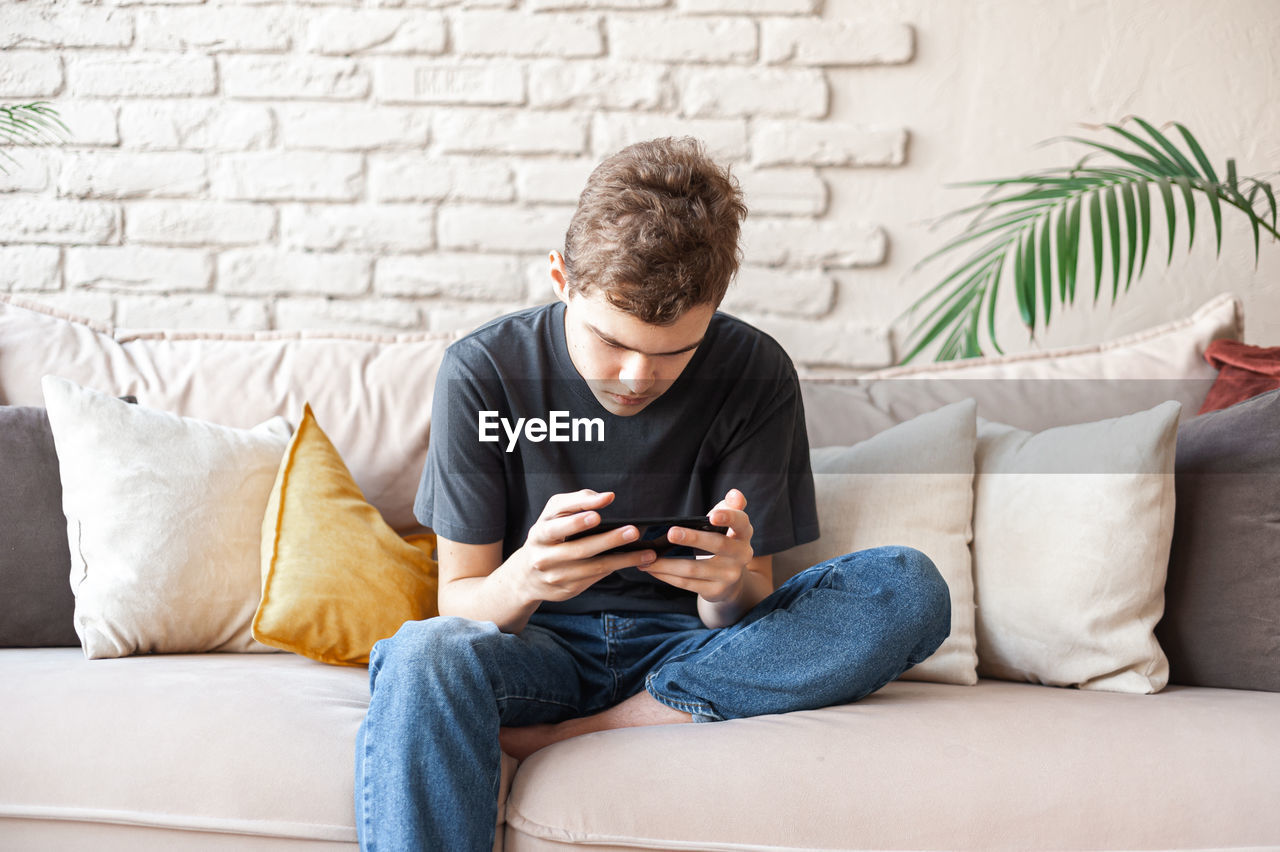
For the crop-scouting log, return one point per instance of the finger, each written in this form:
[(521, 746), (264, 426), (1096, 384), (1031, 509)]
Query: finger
[(679, 579), (736, 499), (593, 545), (576, 501), (554, 530), (581, 569), (735, 519), (714, 543), (687, 568)]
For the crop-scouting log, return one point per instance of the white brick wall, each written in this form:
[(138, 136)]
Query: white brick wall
[(272, 164)]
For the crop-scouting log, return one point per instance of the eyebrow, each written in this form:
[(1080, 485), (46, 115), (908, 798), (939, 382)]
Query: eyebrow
[(607, 339)]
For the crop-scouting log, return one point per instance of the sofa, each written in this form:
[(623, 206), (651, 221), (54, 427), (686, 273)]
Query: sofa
[(1070, 708)]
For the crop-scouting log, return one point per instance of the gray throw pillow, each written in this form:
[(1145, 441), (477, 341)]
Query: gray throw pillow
[(1221, 625), (36, 604)]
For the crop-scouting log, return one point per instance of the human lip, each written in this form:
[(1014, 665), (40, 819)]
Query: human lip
[(627, 400)]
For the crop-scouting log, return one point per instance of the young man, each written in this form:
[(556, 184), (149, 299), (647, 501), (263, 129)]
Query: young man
[(629, 396)]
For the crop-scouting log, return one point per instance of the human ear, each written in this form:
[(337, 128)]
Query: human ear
[(559, 277)]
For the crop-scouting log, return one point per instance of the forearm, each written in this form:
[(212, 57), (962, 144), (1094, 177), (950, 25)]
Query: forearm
[(494, 597), (754, 588)]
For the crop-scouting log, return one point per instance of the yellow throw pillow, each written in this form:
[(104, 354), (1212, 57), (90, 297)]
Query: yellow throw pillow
[(335, 577)]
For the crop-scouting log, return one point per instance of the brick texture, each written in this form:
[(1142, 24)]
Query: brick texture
[(665, 39), (401, 164), (200, 125), (816, 42), (134, 268), (342, 32), (30, 268), (27, 74)]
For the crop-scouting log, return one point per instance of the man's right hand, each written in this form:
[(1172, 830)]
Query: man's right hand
[(552, 569)]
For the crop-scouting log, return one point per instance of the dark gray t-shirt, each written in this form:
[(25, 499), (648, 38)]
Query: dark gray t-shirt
[(733, 419)]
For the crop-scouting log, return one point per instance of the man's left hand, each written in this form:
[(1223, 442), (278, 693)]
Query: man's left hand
[(720, 577)]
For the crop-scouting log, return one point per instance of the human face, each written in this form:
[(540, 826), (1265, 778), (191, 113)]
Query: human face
[(628, 363)]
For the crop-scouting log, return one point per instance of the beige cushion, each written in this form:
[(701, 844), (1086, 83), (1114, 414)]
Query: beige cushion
[(259, 744), (910, 485), (164, 518), (922, 766), (1034, 390), (372, 391), (197, 749), (1071, 534)]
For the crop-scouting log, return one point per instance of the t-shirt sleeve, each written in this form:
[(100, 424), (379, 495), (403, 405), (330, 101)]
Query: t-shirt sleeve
[(768, 461), (462, 493)]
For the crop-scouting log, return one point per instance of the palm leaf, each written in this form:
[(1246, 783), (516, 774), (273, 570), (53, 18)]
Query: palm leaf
[(1073, 249), (1131, 229), (1170, 213), (1197, 152), (29, 124), (1031, 226), (1184, 165), (991, 304), (1064, 219), (1024, 276), (1144, 221), (1167, 165), (1184, 183), (1113, 230), (1046, 267), (1095, 230)]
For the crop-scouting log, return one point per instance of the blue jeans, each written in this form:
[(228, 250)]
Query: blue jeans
[(427, 756)]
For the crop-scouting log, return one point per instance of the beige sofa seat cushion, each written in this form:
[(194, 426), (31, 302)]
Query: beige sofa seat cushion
[(259, 744), (923, 766), (203, 751)]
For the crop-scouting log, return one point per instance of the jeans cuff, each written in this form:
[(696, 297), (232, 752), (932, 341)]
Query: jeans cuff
[(699, 710)]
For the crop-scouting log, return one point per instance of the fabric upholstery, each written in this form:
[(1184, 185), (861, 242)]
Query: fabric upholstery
[(922, 766), (1221, 624), (259, 748), (910, 485), (335, 577), (1034, 390), (164, 519), (372, 391), (1244, 371), (1071, 534), (35, 562)]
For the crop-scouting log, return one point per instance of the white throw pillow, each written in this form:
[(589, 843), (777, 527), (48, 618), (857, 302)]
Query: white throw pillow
[(1071, 534), (1034, 390), (910, 485), (373, 392), (164, 519)]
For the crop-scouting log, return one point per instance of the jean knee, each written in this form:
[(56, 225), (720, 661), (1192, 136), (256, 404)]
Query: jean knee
[(916, 586), (425, 646), (922, 590)]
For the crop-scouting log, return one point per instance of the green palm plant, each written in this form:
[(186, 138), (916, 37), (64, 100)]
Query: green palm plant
[(29, 124), (1035, 227)]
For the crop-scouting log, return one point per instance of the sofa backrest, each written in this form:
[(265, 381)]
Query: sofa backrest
[(371, 393), (1034, 390)]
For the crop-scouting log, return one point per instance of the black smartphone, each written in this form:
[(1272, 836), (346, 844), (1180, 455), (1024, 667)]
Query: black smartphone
[(653, 535)]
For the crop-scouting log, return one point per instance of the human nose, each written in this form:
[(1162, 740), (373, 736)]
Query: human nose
[(637, 373)]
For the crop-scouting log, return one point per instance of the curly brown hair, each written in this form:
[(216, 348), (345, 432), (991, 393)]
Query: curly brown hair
[(656, 230)]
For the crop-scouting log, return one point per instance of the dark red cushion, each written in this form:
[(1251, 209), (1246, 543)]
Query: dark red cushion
[(1244, 371)]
